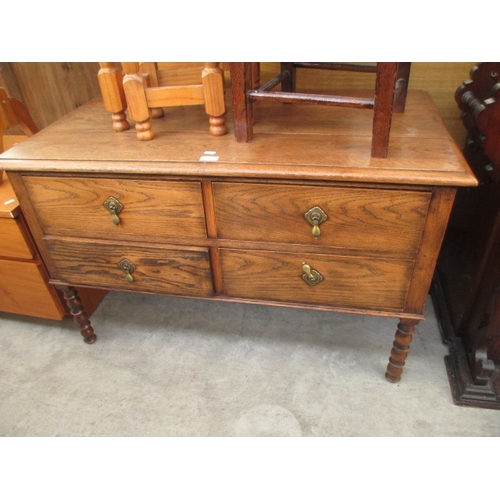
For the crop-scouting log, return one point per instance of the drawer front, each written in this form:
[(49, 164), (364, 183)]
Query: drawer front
[(163, 271), (357, 218), (24, 290), (12, 241), (348, 282), (151, 210)]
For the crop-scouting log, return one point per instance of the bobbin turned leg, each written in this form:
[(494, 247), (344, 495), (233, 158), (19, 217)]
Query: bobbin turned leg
[(111, 84), (134, 85), (212, 78), (400, 348), (78, 312)]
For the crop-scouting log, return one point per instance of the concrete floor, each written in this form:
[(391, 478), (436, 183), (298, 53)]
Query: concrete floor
[(166, 366)]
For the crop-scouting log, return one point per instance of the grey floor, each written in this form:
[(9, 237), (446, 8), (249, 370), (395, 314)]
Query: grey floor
[(166, 366)]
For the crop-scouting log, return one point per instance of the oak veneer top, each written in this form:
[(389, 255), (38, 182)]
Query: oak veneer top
[(290, 141)]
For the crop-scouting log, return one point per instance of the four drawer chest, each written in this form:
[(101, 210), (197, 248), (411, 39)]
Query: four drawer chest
[(302, 216)]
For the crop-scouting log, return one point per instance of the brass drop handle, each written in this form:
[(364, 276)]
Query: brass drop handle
[(114, 207), (311, 276), (315, 216), (316, 231), (128, 268)]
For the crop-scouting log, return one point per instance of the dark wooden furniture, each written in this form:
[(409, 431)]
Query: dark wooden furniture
[(391, 86), (467, 284), (299, 219)]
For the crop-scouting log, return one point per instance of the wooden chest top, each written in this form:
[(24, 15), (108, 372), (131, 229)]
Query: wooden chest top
[(302, 142)]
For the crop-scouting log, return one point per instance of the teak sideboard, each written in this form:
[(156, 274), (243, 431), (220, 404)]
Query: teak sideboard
[(301, 216)]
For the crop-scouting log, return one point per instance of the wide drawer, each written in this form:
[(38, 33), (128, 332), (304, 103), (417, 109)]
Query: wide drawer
[(357, 218), (183, 271), (12, 241), (152, 210), (347, 282)]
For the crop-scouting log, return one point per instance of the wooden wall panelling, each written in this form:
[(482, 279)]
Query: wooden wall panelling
[(50, 90)]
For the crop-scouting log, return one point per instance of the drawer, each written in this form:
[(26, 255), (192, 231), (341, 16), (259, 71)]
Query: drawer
[(348, 282), (157, 270), (357, 218), (152, 210), (13, 244), (24, 290)]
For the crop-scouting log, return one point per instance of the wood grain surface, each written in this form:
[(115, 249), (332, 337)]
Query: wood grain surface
[(358, 218), (13, 242), (175, 271), (349, 282), (154, 211), (24, 290)]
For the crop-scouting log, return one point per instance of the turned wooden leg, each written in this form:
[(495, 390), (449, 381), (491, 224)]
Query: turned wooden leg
[(111, 84), (79, 315), (212, 78), (144, 131), (120, 123), (134, 85), (157, 113), (400, 348)]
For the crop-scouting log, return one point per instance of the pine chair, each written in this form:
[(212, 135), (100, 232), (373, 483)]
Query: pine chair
[(13, 113), (389, 96), (141, 89)]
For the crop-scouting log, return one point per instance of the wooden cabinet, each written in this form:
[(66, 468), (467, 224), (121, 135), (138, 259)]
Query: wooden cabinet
[(299, 217), (23, 287), (467, 284)]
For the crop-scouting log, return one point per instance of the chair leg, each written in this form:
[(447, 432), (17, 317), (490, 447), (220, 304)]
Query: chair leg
[(212, 78), (13, 113), (24, 119), (382, 109), (288, 85), (241, 83), (111, 84), (402, 82), (255, 75), (151, 70), (134, 85)]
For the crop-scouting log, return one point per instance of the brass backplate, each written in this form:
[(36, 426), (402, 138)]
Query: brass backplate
[(113, 205), (315, 216)]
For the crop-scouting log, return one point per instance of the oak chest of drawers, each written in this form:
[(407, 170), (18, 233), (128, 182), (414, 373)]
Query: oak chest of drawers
[(302, 216)]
